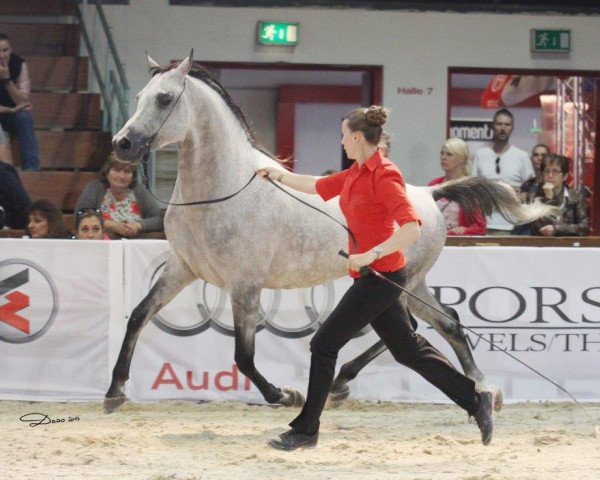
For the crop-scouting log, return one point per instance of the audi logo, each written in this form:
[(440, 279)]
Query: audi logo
[(211, 310)]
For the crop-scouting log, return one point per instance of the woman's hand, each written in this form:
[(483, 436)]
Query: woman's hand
[(124, 229), (358, 260), (132, 229), (548, 189), (547, 230), (271, 173), (457, 230)]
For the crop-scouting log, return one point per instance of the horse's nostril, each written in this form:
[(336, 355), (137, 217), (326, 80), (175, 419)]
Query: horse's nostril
[(124, 144)]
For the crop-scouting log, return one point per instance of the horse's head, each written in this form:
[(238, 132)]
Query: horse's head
[(162, 113)]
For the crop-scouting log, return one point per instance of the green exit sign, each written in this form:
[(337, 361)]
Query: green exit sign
[(550, 40), (281, 34)]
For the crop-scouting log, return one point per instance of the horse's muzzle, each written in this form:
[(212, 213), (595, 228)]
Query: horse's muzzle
[(130, 146)]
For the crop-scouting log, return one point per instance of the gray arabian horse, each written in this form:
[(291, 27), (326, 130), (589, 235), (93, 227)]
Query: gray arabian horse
[(262, 237)]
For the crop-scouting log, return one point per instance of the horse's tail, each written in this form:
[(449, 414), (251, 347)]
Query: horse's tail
[(473, 193)]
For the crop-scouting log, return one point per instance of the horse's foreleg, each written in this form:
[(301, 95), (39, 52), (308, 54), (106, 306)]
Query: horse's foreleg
[(173, 279), (452, 333), (245, 304)]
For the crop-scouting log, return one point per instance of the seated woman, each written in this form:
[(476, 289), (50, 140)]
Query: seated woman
[(573, 219), (45, 221), (89, 225), (127, 207), (454, 160)]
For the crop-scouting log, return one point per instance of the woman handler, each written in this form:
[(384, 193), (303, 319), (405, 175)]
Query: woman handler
[(373, 199)]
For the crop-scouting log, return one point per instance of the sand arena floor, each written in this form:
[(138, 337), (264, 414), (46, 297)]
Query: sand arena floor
[(360, 440)]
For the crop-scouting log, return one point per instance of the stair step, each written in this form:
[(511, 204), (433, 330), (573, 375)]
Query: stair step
[(61, 188), (37, 7), (85, 150), (80, 111), (52, 39), (58, 73)]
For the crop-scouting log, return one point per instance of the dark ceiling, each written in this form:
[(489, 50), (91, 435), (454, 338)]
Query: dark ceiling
[(564, 7)]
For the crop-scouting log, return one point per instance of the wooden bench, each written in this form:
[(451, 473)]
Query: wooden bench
[(37, 7), (521, 241), (58, 39), (61, 188), (143, 236), (79, 111), (66, 74), (69, 149)]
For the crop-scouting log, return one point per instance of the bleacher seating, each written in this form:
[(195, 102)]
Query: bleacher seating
[(67, 118)]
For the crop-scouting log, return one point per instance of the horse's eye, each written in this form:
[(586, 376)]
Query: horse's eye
[(165, 98)]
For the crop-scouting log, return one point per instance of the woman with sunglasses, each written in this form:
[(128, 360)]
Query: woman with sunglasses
[(127, 206), (573, 219), (454, 160), (89, 225)]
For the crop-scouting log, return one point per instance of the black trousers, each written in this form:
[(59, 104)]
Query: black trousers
[(371, 300)]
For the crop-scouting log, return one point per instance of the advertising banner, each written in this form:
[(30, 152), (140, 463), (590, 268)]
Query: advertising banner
[(64, 307), (540, 305), (55, 304)]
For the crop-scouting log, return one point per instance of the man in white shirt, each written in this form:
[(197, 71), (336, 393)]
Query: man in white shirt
[(505, 162)]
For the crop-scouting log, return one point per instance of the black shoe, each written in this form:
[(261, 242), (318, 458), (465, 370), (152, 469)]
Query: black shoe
[(292, 440), (483, 417)]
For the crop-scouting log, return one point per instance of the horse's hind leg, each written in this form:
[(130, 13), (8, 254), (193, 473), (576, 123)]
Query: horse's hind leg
[(339, 389), (452, 333), (245, 302), (173, 279)]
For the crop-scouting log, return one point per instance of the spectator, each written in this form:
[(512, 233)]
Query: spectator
[(89, 225), (530, 186), (45, 221), (573, 218), (127, 207), (505, 162), (15, 109), (13, 197), (3, 147), (454, 160)]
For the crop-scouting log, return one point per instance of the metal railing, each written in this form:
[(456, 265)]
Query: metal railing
[(114, 87)]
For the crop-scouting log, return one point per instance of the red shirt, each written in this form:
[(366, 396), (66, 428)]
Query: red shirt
[(372, 198)]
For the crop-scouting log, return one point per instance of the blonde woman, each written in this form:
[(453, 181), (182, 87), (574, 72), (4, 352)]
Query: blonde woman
[(454, 160)]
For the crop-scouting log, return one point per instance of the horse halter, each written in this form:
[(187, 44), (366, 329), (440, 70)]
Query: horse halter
[(148, 143)]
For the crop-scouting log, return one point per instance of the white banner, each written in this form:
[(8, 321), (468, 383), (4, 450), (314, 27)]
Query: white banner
[(55, 299), (537, 304), (541, 305), (64, 307)]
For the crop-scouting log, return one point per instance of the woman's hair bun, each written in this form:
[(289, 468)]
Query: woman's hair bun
[(376, 115)]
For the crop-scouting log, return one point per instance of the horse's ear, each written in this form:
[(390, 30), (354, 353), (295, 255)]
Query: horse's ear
[(184, 67), (151, 63)]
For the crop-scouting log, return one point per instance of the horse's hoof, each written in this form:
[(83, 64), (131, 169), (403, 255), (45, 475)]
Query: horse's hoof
[(338, 396), (112, 404), (291, 397), (499, 398)]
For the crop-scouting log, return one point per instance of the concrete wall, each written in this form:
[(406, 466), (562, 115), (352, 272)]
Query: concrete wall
[(415, 50)]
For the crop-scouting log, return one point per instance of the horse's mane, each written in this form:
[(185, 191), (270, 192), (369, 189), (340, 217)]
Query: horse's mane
[(199, 72)]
